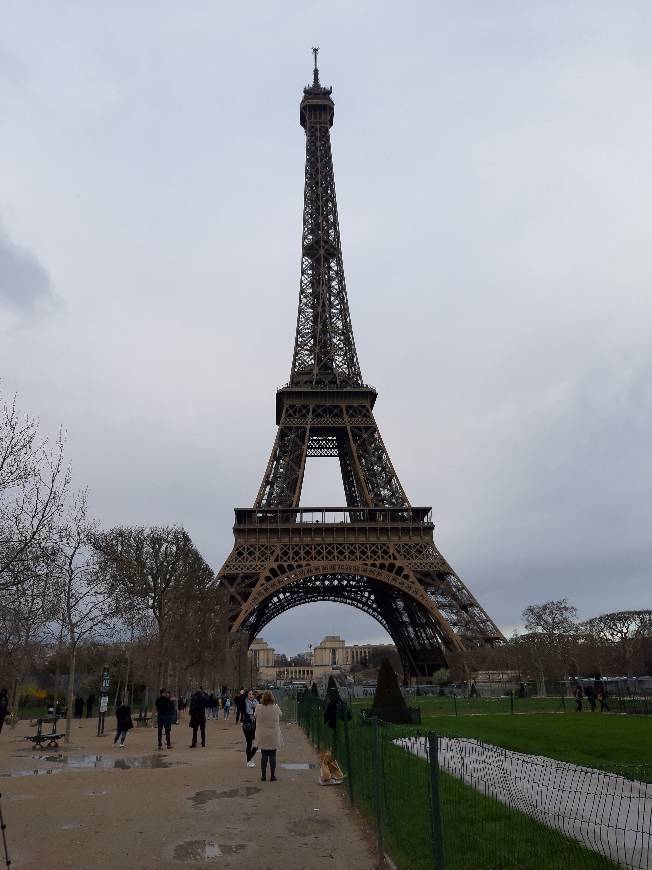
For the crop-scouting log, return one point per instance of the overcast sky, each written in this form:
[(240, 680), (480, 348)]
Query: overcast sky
[(494, 184)]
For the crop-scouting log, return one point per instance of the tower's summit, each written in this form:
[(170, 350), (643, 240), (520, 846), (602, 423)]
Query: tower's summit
[(316, 106), (324, 348)]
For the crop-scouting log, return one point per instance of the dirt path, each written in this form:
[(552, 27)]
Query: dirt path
[(101, 807)]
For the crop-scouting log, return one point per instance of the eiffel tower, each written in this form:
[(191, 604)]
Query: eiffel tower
[(377, 553)]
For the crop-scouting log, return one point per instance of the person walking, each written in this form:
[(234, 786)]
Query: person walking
[(249, 726), (123, 722), (602, 698), (268, 734), (239, 705), (227, 707), (590, 697), (579, 694), (90, 703), (197, 709), (79, 707), (4, 707), (164, 715)]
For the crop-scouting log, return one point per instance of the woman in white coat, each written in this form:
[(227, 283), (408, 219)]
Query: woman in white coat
[(268, 734)]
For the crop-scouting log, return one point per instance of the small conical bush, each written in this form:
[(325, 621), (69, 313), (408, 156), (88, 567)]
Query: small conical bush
[(389, 704)]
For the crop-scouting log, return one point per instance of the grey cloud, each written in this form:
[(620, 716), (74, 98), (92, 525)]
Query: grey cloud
[(494, 191), (25, 285)]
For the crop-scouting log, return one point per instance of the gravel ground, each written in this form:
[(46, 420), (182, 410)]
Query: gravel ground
[(92, 805)]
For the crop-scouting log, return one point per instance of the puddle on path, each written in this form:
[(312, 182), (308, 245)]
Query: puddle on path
[(37, 772), (70, 826), (204, 850), (199, 798), (309, 826), (97, 762), (304, 765)]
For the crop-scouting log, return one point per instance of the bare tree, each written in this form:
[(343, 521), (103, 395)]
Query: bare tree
[(25, 611), (552, 628), (552, 618), (33, 486), (625, 630), (87, 599), (148, 564)]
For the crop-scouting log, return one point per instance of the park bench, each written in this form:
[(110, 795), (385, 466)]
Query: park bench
[(142, 720), (51, 738)]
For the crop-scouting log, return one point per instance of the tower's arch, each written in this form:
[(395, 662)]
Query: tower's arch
[(409, 622)]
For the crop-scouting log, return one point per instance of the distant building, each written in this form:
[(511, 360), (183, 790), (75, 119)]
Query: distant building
[(332, 654)]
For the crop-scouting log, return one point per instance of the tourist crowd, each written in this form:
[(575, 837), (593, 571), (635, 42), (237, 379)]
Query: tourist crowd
[(258, 714)]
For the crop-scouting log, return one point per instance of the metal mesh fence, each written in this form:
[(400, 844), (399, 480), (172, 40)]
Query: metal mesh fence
[(451, 802), (453, 704)]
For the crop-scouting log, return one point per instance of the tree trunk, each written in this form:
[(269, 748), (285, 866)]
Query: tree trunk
[(71, 691), (14, 695), (117, 691), (541, 684), (126, 699)]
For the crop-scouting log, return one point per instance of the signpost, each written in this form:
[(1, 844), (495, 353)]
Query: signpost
[(104, 701)]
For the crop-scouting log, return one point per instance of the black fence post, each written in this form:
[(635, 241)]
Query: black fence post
[(435, 802), (347, 753), (378, 802)]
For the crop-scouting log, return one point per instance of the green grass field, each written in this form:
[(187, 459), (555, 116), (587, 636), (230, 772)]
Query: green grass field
[(478, 831), (613, 742), (620, 744)]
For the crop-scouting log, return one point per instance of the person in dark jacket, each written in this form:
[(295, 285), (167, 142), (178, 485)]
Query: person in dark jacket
[(249, 726), (4, 707), (239, 702), (123, 722), (333, 709), (90, 703), (79, 707), (590, 697), (165, 713), (197, 710), (579, 696)]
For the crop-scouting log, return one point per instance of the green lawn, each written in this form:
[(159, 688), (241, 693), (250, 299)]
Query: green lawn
[(481, 832), (617, 743), (478, 831)]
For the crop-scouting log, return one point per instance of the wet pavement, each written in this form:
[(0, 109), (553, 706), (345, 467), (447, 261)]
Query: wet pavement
[(205, 850), (203, 797), (93, 762), (176, 809)]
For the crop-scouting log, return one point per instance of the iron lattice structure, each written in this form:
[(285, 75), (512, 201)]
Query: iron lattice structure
[(377, 553)]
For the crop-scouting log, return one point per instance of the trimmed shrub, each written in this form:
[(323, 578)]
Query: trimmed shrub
[(389, 704)]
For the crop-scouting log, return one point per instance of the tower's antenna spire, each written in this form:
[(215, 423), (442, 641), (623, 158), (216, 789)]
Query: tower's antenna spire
[(315, 72)]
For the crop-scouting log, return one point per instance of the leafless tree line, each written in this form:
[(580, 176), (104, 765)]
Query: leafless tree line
[(66, 584), (557, 646)]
